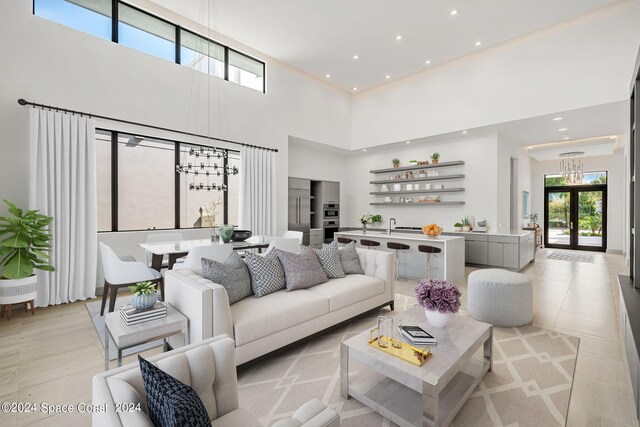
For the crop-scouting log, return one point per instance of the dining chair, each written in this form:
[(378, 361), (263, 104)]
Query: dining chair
[(289, 234), (158, 238), (287, 245), (120, 274), (215, 252)]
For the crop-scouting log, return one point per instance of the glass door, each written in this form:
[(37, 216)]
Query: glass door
[(590, 219), (558, 219)]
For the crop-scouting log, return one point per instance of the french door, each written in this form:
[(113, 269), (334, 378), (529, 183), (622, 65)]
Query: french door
[(576, 217)]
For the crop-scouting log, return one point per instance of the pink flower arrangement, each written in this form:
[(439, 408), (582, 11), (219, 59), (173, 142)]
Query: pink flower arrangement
[(438, 295)]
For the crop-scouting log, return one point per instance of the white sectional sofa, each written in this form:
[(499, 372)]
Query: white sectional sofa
[(261, 325)]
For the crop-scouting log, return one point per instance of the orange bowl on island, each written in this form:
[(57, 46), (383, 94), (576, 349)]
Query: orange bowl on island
[(431, 230)]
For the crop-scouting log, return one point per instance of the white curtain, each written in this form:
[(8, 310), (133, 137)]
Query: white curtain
[(258, 191), (63, 185)]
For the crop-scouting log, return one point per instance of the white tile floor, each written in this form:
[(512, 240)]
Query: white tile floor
[(52, 356)]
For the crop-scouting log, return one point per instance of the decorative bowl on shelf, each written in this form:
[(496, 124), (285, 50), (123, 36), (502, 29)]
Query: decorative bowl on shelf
[(432, 230), (438, 186), (433, 198), (384, 187), (388, 199)]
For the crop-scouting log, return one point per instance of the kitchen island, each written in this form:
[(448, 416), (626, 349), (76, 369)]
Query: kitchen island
[(447, 265)]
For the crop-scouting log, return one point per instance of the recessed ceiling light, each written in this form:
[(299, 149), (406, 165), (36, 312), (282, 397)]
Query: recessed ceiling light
[(364, 149), (387, 76), (355, 56), (562, 129), (464, 132), (398, 37), (408, 142), (453, 12), (327, 75), (355, 88), (427, 62), (555, 119), (478, 43)]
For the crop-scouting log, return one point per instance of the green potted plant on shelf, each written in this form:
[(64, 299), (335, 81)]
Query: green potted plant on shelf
[(466, 226), (435, 157), (395, 163), (143, 295), (24, 243), (457, 226), (413, 162)]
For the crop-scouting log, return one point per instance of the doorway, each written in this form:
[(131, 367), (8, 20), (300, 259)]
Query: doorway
[(576, 217)]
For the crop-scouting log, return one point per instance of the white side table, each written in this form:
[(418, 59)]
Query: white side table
[(130, 336)]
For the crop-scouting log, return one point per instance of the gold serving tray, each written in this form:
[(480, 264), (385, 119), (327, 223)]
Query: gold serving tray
[(404, 351)]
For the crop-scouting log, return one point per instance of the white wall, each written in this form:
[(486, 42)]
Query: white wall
[(616, 192), (584, 62), (508, 150), (479, 153)]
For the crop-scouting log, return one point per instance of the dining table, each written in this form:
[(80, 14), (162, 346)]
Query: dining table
[(178, 248)]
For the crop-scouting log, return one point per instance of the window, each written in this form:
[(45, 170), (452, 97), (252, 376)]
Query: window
[(589, 178), (146, 33), (90, 16), (201, 54), (246, 71), (146, 190), (103, 172)]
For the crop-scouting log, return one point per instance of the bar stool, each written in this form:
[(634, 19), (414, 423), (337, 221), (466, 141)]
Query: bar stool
[(369, 243), (344, 240), (398, 247), (429, 250)]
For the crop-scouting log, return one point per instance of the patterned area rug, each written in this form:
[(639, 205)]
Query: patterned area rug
[(530, 384), (98, 321), (571, 256)]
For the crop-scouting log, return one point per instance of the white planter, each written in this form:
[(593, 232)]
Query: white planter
[(13, 291), (458, 228), (437, 319), (466, 228), (143, 302)]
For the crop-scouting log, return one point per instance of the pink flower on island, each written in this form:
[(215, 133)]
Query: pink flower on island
[(438, 295)]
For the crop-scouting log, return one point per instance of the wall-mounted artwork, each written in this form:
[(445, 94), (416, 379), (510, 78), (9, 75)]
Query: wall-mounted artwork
[(525, 205)]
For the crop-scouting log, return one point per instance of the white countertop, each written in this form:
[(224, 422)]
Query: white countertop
[(397, 235), (515, 234), (446, 230)]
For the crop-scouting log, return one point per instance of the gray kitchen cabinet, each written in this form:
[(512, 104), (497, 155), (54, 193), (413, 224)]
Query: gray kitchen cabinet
[(510, 255), (300, 183), (494, 255), (316, 238), (330, 192), (477, 252)]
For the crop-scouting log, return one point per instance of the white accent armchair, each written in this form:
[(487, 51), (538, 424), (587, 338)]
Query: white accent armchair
[(193, 259), (209, 368), (287, 245), (120, 274)]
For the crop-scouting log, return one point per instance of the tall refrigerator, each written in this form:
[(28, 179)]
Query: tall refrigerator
[(300, 207)]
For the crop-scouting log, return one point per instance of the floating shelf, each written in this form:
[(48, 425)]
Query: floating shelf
[(429, 178), (416, 204), (443, 190), (418, 167)]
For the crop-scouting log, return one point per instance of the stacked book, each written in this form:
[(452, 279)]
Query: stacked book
[(131, 316), (417, 336)]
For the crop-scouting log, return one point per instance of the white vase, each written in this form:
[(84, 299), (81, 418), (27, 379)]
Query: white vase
[(13, 291), (466, 228), (437, 319)]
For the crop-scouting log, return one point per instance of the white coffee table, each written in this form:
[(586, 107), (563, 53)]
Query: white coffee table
[(124, 336), (408, 395)]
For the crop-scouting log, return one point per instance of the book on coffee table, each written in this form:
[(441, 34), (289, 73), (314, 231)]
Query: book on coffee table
[(417, 336)]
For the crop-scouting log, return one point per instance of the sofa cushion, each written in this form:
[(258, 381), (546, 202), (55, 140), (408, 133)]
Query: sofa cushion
[(349, 290), (170, 402), (348, 258), (267, 274), (255, 318), (301, 270), (233, 275), (330, 261)]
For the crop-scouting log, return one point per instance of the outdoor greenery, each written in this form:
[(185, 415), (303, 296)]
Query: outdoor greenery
[(589, 212)]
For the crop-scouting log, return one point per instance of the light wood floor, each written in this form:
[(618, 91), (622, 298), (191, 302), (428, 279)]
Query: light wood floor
[(52, 356)]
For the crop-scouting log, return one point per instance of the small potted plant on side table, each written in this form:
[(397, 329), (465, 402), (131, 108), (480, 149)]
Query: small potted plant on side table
[(439, 299), (143, 295), (435, 157)]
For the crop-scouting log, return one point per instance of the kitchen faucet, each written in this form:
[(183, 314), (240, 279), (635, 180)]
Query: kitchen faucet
[(394, 223)]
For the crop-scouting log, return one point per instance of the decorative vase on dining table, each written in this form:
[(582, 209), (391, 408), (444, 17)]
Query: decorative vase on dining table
[(436, 318), (215, 237), (226, 231)]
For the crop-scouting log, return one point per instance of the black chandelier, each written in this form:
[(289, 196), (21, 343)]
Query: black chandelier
[(204, 166)]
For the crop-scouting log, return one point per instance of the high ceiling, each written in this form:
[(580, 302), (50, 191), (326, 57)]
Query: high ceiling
[(322, 37)]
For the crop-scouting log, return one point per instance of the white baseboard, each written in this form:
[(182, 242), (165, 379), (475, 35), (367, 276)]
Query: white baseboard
[(615, 251)]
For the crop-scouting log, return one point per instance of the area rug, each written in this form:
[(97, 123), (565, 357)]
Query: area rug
[(530, 384), (571, 256), (98, 321)]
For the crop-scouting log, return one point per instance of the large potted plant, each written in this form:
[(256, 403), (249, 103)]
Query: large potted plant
[(24, 243)]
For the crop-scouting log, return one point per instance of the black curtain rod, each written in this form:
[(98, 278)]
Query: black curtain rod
[(22, 101)]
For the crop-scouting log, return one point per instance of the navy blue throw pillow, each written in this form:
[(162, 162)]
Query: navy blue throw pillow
[(170, 402)]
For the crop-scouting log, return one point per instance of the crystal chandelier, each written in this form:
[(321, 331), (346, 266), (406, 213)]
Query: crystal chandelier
[(571, 167), (202, 164)]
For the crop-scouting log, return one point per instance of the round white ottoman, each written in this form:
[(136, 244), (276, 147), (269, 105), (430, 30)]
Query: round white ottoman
[(500, 297)]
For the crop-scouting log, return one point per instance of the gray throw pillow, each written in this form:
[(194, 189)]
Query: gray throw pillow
[(301, 270), (267, 274), (330, 261), (233, 275), (348, 258)]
